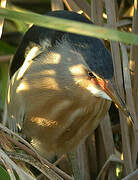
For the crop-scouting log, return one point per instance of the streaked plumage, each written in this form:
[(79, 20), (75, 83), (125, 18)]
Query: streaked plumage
[(53, 95)]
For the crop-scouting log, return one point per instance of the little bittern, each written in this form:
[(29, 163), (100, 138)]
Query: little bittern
[(60, 87)]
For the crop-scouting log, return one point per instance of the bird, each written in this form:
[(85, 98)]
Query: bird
[(61, 86)]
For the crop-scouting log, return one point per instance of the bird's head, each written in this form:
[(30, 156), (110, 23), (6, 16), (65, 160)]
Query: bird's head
[(93, 70)]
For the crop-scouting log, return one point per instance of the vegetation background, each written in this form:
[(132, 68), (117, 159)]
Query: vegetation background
[(111, 151)]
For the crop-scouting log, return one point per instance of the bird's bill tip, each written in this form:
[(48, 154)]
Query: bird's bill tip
[(110, 89)]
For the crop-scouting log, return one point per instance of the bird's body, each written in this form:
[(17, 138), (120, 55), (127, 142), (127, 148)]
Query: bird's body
[(52, 94)]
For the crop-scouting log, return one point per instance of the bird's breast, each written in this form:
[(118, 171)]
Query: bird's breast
[(62, 122), (59, 113)]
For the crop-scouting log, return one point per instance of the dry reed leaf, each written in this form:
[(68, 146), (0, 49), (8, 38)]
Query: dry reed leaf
[(84, 6), (132, 176), (131, 106), (108, 142), (92, 155), (124, 22), (5, 58), (121, 8), (72, 6), (57, 5), (46, 171), (112, 159), (82, 156), (100, 150), (21, 173), (97, 12), (106, 131), (35, 163), (5, 143), (59, 159), (111, 13), (133, 58), (129, 12), (35, 154)]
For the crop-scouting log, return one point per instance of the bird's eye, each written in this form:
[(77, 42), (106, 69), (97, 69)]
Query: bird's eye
[(91, 75)]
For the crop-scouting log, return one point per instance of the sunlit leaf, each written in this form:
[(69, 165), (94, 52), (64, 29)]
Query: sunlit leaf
[(70, 26), (3, 80), (4, 174)]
